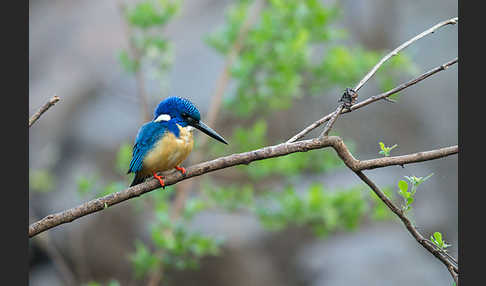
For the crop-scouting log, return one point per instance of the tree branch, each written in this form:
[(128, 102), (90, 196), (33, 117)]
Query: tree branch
[(340, 108), (367, 77), (245, 158), (410, 227), (401, 160), (372, 99), (43, 109), (452, 21)]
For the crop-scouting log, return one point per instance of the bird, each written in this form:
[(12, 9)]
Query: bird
[(163, 143)]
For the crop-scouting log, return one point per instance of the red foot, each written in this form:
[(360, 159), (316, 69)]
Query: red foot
[(159, 178), (181, 169)]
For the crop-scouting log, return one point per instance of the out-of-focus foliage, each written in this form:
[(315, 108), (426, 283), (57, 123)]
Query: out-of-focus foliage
[(231, 197), (322, 210), (41, 180), (149, 47), (111, 283), (292, 51), (150, 13), (174, 245), (380, 210)]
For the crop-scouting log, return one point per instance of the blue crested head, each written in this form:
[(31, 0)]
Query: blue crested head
[(177, 110)]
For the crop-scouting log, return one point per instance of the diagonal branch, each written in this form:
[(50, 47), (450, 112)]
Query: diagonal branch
[(245, 158), (452, 21), (410, 227), (332, 120), (367, 77), (402, 86), (372, 99), (43, 109)]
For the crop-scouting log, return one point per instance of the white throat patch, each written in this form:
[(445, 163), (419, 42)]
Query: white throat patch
[(162, 117)]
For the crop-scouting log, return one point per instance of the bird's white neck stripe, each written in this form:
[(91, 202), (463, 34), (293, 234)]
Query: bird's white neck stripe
[(162, 117)]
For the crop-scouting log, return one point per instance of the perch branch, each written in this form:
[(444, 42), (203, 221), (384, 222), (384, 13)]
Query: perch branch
[(245, 158)]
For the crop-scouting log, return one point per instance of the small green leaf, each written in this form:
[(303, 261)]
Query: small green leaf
[(403, 186), (382, 146), (438, 237), (410, 200)]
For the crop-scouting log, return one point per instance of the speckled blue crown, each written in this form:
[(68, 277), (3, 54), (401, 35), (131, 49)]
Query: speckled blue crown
[(176, 106)]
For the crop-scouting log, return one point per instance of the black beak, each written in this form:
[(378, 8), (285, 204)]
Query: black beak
[(208, 130)]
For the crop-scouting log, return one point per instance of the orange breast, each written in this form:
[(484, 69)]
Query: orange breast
[(168, 152)]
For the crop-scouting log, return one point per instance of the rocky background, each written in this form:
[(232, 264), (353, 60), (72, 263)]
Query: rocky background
[(72, 54)]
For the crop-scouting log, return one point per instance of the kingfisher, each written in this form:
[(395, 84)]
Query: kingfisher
[(163, 143)]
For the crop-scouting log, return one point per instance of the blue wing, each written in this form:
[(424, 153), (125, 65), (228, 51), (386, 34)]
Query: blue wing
[(147, 136)]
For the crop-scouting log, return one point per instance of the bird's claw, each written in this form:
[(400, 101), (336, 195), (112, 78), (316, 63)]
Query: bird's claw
[(181, 169), (160, 179)]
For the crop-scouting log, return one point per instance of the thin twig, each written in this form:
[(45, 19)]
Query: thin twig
[(369, 75), (402, 86), (333, 119), (245, 158), (452, 21), (43, 109), (378, 65), (372, 99)]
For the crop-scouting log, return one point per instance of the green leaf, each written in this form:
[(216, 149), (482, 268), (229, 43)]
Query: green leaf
[(382, 146), (438, 237), (403, 186), (409, 201), (150, 13)]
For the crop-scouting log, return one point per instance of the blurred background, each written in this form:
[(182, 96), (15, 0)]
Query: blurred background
[(111, 62)]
